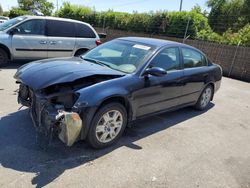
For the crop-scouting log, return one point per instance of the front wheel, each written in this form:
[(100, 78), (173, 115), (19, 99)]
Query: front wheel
[(107, 125), (205, 98), (3, 58)]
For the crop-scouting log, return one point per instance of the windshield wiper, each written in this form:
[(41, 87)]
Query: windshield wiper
[(96, 62)]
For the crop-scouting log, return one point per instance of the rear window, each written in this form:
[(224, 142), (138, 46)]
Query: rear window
[(57, 28), (84, 31)]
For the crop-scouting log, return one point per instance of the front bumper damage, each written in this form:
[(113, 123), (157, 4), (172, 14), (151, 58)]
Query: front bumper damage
[(51, 120)]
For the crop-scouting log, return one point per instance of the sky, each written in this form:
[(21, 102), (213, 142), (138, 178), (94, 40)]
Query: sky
[(124, 5)]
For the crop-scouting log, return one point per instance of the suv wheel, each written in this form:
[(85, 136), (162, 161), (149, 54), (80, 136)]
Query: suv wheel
[(107, 125), (3, 57), (80, 52)]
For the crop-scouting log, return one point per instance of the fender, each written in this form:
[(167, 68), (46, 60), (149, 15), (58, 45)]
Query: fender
[(92, 97)]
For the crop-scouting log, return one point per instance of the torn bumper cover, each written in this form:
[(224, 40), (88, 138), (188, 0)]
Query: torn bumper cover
[(50, 120)]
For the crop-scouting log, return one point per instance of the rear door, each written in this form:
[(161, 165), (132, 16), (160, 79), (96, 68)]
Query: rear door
[(85, 36), (30, 41), (195, 74), (61, 38)]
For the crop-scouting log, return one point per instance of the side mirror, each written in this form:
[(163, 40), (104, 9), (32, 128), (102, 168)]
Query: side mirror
[(155, 71), (102, 35), (14, 31)]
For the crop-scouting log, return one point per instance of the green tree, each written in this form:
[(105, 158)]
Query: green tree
[(14, 12), (43, 5), (226, 14), (246, 11)]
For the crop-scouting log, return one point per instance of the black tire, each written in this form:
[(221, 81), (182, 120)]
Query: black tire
[(200, 105), (80, 52), (4, 59), (92, 137)]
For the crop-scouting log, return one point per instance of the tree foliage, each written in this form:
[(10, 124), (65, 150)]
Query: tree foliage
[(43, 5), (228, 14), (25, 6), (170, 23), (14, 12)]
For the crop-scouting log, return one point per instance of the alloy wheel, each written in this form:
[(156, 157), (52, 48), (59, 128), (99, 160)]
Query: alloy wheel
[(109, 126), (206, 97)]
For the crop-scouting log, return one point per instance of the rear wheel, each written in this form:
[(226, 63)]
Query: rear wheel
[(80, 52), (4, 59), (205, 98), (107, 125)]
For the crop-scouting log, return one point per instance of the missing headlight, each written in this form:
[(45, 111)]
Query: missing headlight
[(67, 100)]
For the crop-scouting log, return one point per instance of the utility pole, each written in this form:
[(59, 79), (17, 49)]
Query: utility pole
[(181, 5), (57, 5)]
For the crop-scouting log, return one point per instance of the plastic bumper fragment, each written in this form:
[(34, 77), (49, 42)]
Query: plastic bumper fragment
[(71, 125)]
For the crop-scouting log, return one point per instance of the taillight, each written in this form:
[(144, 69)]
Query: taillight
[(98, 42)]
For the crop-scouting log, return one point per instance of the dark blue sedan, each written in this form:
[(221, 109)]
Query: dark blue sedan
[(95, 96)]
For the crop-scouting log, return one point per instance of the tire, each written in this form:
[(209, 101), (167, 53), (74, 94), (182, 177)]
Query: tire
[(105, 128), (4, 59), (205, 98), (80, 52)]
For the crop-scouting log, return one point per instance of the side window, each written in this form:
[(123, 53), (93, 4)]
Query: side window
[(57, 28), (32, 27), (168, 59), (84, 31), (193, 58)]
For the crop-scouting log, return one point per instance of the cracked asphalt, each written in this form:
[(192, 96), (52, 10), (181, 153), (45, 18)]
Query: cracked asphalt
[(185, 148)]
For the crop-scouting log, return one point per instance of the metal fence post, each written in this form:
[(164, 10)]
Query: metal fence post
[(232, 64), (185, 35)]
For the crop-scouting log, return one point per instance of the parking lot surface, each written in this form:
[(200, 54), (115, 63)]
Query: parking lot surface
[(185, 148)]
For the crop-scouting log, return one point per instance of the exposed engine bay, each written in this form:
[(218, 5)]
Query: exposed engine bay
[(52, 109)]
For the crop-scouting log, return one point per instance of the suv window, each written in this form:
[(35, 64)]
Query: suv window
[(193, 58), (84, 31), (57, 28), (32, 27), (168, 59)]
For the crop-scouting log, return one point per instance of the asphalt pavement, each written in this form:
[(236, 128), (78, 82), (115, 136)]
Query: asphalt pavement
[(185, 148)]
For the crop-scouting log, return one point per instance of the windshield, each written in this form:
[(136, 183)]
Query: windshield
[(120, 55), (11, 22)]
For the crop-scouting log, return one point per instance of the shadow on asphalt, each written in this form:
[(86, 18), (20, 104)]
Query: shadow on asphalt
[(18, 150), (15, 64)]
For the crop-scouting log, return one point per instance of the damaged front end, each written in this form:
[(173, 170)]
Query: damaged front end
[(53, 110), (52, 115)]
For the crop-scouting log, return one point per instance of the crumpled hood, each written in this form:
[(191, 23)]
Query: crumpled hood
[(44, 73)]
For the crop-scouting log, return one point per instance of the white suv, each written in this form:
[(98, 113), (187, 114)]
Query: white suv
[(3, 19), (38, 37)]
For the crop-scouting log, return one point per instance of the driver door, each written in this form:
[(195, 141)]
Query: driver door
[(161, 92), (30, 42)]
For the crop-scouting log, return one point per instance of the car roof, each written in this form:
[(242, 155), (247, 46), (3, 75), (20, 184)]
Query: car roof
[(54, 18), (158, 43)]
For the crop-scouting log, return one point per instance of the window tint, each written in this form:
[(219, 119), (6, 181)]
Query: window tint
[(57, 28), (84, 31), (32, 27), (168, 59), (193, 58)]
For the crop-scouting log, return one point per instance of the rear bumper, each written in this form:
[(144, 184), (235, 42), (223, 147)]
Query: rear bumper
[(217, 85)]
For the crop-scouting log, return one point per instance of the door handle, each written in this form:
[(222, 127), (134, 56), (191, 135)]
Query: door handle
[(52, 42), (43, 42)]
